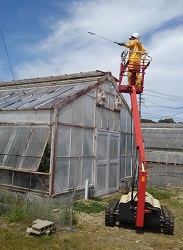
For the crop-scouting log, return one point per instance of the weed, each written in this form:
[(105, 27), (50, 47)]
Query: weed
[(89, 206), (16, 214), (158, 194)]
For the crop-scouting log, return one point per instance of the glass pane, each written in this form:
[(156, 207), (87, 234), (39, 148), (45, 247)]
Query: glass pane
[(104, 119), (111, 120), (102, 147), (39, 182), (123, 119), (75, 173), (101, 177), (21, 179), (20, 137), (89, 111), (37, 141), (12, 161), (78, 111), (5, 133), (6, 177), (88, 142), (63, 141), (76, 141), (25, 146), (98, 117), (123, 144), (61, 177), (113, 147), (122, 167), (128, 166), (117, 121), (129, 123), (113, 175), (129, 145), (65, 114), (111, 102), (31, 163), (87, 169)]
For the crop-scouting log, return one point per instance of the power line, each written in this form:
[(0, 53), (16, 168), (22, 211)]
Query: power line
[(17, 86)]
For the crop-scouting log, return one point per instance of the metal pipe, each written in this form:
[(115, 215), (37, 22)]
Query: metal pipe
[(86, 189)]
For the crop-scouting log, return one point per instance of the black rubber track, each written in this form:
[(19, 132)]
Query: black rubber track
[(169, 221), (110, 217)]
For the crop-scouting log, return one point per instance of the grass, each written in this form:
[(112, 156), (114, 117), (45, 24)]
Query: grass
[(158, 193), (89, 206), (92, 234)]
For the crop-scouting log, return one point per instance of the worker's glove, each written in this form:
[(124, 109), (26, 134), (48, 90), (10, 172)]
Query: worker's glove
[(121, 44)]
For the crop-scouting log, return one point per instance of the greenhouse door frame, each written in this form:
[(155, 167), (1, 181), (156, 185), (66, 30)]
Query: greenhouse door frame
[(107, 162)]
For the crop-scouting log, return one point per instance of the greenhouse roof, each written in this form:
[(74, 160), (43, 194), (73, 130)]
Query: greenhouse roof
[(45, 92)]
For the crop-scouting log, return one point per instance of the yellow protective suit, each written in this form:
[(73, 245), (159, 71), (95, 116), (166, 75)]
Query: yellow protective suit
[(134, 61)]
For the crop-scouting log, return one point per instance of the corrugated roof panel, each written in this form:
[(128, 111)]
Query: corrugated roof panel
[(43, 99), (33, 93)]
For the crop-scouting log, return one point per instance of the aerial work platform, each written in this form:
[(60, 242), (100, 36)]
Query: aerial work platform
[(137, 207), (134, 69)]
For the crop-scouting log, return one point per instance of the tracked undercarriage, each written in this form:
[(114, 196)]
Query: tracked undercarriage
[(125, 212)]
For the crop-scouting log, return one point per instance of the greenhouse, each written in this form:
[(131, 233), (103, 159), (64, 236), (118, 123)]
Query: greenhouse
[(163, 142), (57, 132)]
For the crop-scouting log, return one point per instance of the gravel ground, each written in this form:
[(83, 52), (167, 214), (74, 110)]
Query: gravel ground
[(165, 175)]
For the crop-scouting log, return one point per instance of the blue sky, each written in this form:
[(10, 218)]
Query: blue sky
[(50, 37)]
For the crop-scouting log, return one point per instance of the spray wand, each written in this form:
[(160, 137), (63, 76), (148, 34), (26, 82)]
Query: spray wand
[(91, 33)]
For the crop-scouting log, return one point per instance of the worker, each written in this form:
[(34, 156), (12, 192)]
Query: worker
[(134, 58)]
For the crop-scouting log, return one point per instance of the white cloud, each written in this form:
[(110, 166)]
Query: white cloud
[(68, 47)]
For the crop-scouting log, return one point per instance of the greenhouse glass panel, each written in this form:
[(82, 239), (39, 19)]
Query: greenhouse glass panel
[(117, 121), (102, 149), (63, 144), (87, 169), (111, 102), (106, 103), (101, 177), (123, 144), (113, 147), (123, 167), (129, 123), (5, 134), (6, 177), (61, 177), (111, 120), (31, 163), (75, 173), (104, 119), (88, 142), (37, 141), (12, 161), (78, 111), (128, 166), (123, 119), (20, 137), (21, 179), (129, 145), (65, 114), (39, 182), (76, 141), (25, 146), (89, 111), (113, 170), (98, 117)]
